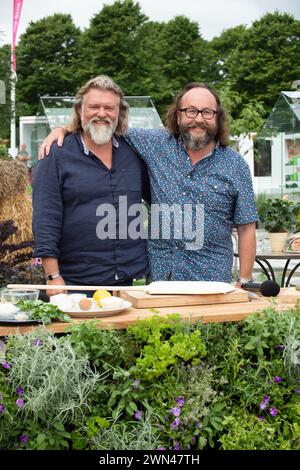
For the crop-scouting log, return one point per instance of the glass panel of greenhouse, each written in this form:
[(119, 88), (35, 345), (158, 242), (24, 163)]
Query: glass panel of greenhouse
[(56, 111), (277, 149)]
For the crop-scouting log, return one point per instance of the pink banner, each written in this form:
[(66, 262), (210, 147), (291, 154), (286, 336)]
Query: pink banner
[(16, 18)]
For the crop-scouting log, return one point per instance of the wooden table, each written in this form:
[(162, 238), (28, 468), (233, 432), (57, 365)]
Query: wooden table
[(205, 313), (264, 260)]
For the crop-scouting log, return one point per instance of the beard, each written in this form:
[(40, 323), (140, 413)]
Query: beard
[(197, 143), (100, 134)]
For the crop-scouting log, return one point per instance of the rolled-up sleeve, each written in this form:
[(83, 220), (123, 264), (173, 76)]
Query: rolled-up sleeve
[(47, 208)]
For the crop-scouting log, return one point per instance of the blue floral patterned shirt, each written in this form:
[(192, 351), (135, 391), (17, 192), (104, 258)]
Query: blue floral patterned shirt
[(219, 194)]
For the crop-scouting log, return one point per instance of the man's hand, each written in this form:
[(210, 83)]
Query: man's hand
[(57, 282), (58, 135)]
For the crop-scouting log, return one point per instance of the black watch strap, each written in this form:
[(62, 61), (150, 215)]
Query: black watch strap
[(51, 277)]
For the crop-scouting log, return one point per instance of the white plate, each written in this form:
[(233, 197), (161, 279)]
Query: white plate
[(98, 312)]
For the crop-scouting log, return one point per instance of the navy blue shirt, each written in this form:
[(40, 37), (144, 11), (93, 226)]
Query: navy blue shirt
[(219, 194), (69, 188)]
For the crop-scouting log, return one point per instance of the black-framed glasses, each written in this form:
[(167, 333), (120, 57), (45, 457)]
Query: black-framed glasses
[(192, 113)]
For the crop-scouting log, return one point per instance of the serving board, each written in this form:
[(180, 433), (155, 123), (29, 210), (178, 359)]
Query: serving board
[(141, 299)]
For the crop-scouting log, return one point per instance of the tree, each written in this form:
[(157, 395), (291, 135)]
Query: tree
[(110, 43), (150, 78), (267, 60), (224, 45), (5, 54), (47, 56), (183, 51)]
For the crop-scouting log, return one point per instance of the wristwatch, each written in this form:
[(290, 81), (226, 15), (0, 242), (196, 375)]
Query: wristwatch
[(51, 277), (244, 280)]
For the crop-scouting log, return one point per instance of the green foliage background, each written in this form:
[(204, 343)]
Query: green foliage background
[(248, 66)]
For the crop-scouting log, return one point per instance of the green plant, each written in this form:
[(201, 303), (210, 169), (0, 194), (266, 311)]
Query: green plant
[(4, 152), (168, 341), (130, 435), (243, 395), (278, 215), (56, 383), (45, 312)]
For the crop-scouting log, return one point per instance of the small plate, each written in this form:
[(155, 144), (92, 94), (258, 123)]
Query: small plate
[(13, 321), (99, 312)]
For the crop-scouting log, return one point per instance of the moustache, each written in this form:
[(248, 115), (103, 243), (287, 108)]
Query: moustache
[(195, 126), (108, 121)]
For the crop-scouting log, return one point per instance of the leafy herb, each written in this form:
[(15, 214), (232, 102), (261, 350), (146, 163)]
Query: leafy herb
[(43, 311)]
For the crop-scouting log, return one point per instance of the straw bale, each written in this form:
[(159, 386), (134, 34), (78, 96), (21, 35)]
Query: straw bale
[(13, 178), (19, 209)]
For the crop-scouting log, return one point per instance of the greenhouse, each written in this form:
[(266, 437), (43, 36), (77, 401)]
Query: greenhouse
[(55, 111), (277, 148)]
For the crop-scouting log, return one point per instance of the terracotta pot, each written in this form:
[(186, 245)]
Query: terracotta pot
[(278, 241)]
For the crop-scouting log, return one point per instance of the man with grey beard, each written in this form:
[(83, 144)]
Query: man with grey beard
[(95, 168), (192, 167)]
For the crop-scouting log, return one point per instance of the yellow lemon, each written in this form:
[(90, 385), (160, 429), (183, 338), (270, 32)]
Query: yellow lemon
[(100, 294)]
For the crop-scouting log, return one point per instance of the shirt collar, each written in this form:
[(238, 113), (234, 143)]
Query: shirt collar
[(86, 150)]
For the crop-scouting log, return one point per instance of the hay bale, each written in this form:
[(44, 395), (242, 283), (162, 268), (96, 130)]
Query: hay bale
[(13, 178), (15, 203), (19, 209)]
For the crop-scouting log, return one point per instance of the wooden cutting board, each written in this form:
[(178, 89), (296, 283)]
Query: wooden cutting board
[(143, 300), (287, 295)]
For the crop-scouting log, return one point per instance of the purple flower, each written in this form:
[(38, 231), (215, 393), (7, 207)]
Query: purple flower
[(277, 379), (36, 262), (20, 391), (263, 404), (261, 418), (176, 446), (193, 440), (2, 408), (20, 403), (180, 401), (161, 448), (281, 347), (273, 411), (37, 342), (135, 384), (138, 415), (297, 391), (175, 411), (6, 365), (24, 438), (175, 424)]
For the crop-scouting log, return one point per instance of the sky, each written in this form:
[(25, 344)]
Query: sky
[(213, 16)]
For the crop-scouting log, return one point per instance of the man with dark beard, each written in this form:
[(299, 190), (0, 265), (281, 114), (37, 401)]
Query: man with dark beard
[(204, 184), (92, 175)]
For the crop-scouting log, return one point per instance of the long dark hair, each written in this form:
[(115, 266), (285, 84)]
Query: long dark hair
[(222, 121)]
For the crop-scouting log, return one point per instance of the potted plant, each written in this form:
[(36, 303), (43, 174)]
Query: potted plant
[(279, 218)]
